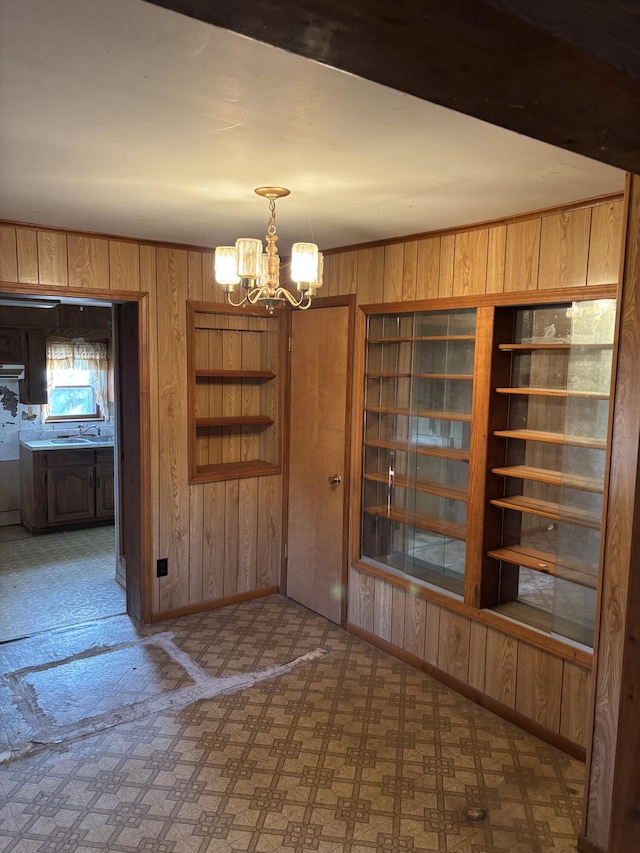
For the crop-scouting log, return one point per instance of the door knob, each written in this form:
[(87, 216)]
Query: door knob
[(335, 480)]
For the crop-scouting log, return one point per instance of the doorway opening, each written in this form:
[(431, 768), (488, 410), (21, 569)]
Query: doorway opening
[(63, 505)]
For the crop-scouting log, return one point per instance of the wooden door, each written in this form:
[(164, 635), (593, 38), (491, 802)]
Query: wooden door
[(319, 450)]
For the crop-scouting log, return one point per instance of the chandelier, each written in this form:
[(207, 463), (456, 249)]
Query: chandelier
[(258, 271)]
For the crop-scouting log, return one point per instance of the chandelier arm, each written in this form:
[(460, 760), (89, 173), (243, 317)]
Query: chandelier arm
[(236, 304)]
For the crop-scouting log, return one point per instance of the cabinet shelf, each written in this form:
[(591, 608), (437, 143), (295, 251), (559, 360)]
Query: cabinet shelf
[(234, 470), (431, 487), (451, 529), (558, 345), (549, 509), (234, 421), (553, 392), (553, 478), (553, 438), (234, 374), (421, 449), (453, 376), (412, 338), (374, 375), (420, 413), (541, 561)]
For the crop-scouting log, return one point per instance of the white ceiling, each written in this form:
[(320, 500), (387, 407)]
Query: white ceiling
[(120, 117)]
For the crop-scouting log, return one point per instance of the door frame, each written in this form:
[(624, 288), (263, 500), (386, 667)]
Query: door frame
[(136, 499), (348, 301)]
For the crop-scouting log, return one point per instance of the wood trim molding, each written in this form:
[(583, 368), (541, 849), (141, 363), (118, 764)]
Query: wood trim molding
[(585, 846), (547, 735), (214, 604)]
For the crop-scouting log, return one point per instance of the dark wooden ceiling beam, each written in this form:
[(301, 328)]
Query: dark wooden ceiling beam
[(546, 74)]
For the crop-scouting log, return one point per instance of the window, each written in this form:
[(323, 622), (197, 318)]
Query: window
[(77, 380)]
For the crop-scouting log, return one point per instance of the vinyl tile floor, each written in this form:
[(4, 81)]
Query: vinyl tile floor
[(260, 727)]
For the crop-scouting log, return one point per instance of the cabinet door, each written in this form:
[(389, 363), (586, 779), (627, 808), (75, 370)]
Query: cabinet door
[(70, 494), (105, 497), (11, 351)]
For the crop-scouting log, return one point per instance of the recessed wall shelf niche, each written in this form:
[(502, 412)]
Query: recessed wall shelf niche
[(234, 362)]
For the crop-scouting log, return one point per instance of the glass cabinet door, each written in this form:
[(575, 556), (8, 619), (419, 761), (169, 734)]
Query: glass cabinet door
[(417, 426)]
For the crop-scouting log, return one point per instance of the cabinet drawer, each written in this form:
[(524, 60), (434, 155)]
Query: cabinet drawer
[(104, 454), (56, 458)]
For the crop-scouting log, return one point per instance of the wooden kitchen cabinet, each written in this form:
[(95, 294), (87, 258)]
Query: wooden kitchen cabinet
[(66, 488)]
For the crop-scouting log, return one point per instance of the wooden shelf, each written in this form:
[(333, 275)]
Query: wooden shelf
[(234, 471), (558, 345), (456, 376), (451, 529), (411, 338), (430, 487), (421, 449), (373, 375), (541, 561), (553, 392), (553, 478), (392, 340), (553, 438), (549, 509), (234, 374), (234, 421), (419, 413)]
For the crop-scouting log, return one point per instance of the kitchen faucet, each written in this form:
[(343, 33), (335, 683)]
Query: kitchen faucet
[(88, 429)]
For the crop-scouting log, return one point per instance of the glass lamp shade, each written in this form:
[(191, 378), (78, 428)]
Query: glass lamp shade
[(318, 282), (249, 254), (226, 266), (304, 264)]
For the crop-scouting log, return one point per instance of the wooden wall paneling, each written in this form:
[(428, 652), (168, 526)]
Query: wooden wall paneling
[(382, 609), (88, 262), (605, 243), (213, 529), (361, 600), (574, 709), (470, 262), (539, 686), (270, 341), (148, 279), (447, 257), (173, 438), (213, 438), (8, 254), (393, 267), (247, 534), (331, 276), (398, 618), (410, 270), (231, 394), (497, 242), (370, 272), (27, 246), (428, 268), (348, 273), (196, 526), (453, 644), (432, 634), (564, 249), (269, 548), (231, 518), (477, 655), (501, 669), (415, 625), (52, 258), (124, 265), (194, 274), (522, 255), (250, 391)]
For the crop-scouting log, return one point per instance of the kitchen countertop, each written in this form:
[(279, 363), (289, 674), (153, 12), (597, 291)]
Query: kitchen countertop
[(85, 442)]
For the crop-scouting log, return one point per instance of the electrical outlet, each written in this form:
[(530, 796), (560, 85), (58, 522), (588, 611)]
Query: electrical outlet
[(162, 567)]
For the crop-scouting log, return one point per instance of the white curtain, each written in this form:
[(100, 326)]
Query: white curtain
[(82, 356)]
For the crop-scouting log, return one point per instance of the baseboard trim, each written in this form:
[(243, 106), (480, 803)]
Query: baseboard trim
[(214, 604)]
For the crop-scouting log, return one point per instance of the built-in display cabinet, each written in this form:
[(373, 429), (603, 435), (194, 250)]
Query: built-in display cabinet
[(484, 451), (234, 360)]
